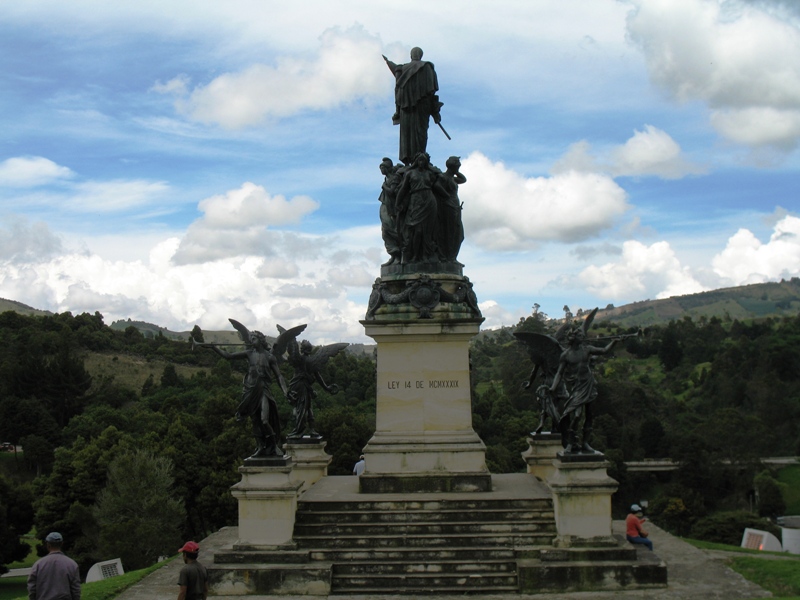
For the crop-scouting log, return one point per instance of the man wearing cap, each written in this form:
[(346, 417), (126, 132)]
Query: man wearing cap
[(633, 527), (193, 578), (55, 576)]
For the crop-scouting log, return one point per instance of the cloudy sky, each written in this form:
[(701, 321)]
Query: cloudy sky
[(184, 162)]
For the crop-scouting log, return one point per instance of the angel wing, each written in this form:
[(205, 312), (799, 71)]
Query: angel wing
[(545, 351), (287, 340), (587, 322), (321, 356), (244, 333)]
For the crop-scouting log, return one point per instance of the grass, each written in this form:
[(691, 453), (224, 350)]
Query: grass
[(781, 577), (777, 572), (15, 588), (791, 477), (132, 371)]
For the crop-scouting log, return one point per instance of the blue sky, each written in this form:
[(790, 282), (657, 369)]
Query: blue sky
[(186, 162)]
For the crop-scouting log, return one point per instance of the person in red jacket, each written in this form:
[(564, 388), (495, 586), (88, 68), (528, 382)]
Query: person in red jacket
[(634, 531)]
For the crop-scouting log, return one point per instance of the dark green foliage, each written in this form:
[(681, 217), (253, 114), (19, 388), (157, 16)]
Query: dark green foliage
[(770, 494), (717, 391), (16, 519), (728, 527), (137, 514)]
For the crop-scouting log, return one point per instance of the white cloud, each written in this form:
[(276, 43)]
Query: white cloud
[(504, 210), (31, 171), (237, 224), (642, 272), (116, 195), (347, 68), (251, 205), (22, 241), (742, 60), (648, 152), (746, 260)]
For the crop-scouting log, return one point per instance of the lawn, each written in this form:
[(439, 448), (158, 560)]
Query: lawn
[(779, 576), (15, 588), (777, 572)]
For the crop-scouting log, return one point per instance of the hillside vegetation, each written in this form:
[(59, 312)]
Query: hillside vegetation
[(89, 403)]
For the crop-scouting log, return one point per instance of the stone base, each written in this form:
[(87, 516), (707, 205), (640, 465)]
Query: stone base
[(433, 482), (582, 493), (267, 506), (542, 450), (310, 460), (424, 439)]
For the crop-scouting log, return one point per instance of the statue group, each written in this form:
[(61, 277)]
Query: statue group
[(257, 401), (567, 396), (420, 211)]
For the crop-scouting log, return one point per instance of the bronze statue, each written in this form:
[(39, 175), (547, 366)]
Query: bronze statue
[(388, 212), (257, 401), (545, 352), (569, 391), (417, 210), (450, 229), (307, 368), (416, 101)]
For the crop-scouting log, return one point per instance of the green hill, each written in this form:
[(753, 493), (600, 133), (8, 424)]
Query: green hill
[(747, 302)]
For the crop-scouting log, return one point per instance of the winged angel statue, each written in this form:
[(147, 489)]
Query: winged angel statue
[(307, 367), (569, 388), (257, 401)]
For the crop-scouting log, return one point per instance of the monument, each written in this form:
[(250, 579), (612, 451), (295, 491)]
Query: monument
[(426, 516), (422, 313)]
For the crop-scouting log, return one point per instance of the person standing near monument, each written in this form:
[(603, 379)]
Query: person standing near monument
[(55, 576), (361, 465), (416, 101), (193, 578)]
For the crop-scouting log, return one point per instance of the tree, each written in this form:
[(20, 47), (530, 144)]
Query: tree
[(770, 495), (16, 519), (137, 512), (197, 334)]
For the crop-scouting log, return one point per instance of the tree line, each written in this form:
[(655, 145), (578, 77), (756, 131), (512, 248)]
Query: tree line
[(101, 458)]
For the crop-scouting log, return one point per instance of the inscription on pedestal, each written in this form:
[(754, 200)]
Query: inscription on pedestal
[(421, 384)]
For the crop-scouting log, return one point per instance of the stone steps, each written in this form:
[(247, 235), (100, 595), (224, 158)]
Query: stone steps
[(456, 545), (411, 555), (475, 583), (400, 529), (415, 516)]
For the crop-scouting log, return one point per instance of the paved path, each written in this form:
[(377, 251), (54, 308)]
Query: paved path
[(693, 574)]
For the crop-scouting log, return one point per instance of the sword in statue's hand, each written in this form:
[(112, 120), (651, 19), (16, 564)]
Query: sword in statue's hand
[(444, 131)]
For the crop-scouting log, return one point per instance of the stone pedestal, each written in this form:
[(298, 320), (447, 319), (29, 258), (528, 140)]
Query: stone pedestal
[(582, 493), (424, 440), (542, 450), (309, 459), (267, 504)]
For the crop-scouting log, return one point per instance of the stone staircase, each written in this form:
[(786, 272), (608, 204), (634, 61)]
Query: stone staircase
[(458, 545), (500, 542)]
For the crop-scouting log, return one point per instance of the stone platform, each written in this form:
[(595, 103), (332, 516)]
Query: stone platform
[(430, 543)]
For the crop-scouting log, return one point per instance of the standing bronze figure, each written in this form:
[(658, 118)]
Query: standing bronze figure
[(450, 229), (418, 209), (257, 401), (416, 102), (390, 228), (307, 368)]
